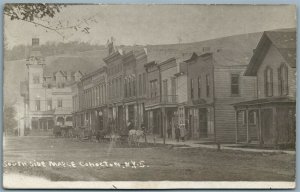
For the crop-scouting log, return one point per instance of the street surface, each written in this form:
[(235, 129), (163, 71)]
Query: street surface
[(61, 159)]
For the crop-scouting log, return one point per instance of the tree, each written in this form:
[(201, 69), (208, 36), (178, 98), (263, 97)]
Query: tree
[(9, 121), (38, 14)]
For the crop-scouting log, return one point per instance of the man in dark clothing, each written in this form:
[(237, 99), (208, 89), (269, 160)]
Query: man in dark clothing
[(177, 133)]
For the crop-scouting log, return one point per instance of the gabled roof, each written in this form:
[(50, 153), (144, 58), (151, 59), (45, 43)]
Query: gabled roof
[(283, 40)]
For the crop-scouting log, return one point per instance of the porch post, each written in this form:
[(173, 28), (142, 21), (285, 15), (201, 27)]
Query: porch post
[(236, 125), (247, 124), (164, 123)]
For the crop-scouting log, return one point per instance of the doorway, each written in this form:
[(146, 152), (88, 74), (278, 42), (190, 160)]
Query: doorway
[(203, 123), (267, 125)]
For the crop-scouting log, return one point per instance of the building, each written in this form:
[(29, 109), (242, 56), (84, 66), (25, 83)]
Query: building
[(161, 103), (113, 94), (214, 81), (134, 86), (270, 118), (115, 84), (47, 96), (90, 101)]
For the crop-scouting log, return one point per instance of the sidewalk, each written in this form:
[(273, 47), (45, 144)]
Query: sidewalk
[(197, 144)]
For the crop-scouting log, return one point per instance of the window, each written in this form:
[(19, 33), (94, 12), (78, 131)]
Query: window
[(153, 89), (173, 88), (36, 79), (37, 105), (207, 86), (283, 80), (165, 90), (144, 83), (116, 87), (134, 87), (192, 88), (125, 87), (59, 103), (199, 87), (49, 104), (235, 84), (252, 117), (129, 87), (268, 82), (140, 84)]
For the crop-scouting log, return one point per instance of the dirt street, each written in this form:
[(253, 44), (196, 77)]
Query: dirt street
[(59, 159)]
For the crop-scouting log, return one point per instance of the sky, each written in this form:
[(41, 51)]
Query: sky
[(155, 24)]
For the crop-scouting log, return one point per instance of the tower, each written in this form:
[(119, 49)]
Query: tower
[(36, 93)]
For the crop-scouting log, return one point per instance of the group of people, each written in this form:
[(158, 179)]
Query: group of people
[(180, 132)]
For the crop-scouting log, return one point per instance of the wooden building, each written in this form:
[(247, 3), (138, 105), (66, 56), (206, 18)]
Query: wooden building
[(161, 103), (270, 118), (214, 81)]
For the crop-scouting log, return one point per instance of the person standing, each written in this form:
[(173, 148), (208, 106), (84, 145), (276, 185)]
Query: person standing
[(177, 133), (182, 132), (169, 130)]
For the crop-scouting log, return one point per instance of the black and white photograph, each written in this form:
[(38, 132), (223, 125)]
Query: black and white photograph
[(149, 96)]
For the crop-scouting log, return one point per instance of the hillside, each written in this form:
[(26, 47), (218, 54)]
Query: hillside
[(87, 61)]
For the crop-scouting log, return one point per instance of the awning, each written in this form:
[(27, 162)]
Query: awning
[(265, 101)]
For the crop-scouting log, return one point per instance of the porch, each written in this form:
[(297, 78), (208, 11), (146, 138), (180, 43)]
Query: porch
[(268, 121)]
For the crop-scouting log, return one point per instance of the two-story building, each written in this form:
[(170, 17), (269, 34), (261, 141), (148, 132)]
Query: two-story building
[(215, 80), (161, 103), (270, 118)]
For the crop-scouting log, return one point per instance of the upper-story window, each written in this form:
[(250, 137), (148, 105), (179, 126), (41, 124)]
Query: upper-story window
[(125, 87), (37, 105), (207, 86), (153, 88), (283, 80), (199, 87), (268, 82), (36, 79), (59, 103), (129, 87), (144, 83), (235, 84), (49, 104), (192, 88), (140, 84)]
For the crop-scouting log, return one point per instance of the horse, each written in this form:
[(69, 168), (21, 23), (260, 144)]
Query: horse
[(134, 136)]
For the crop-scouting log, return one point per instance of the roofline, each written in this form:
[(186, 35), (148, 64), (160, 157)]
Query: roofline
[(167, 61)]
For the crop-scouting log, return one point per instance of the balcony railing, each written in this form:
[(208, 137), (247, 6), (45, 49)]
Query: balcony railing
[(164, 99)]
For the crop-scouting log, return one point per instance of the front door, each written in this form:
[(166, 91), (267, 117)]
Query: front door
[(202, 123), (267, 121)]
